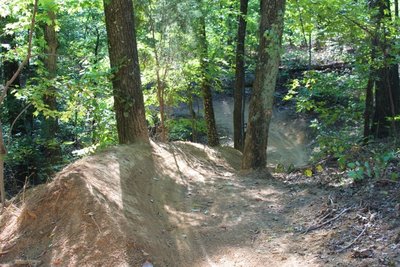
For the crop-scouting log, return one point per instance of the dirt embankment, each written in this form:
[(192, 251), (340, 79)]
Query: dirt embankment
[(184, 204)]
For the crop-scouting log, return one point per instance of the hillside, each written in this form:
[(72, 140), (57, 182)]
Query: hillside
[(184, 204)]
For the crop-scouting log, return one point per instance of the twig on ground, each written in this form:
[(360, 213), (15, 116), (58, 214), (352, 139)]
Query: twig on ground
[(4, 252), (355, 239), (314, 227), (27, 262), (325, 216), (331, 200), (386, 181), (91, 214)]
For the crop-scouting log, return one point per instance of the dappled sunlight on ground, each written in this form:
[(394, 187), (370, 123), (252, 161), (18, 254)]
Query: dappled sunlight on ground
[(176, 204)]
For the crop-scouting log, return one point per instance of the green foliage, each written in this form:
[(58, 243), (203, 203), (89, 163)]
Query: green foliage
[(181, 129), (375, 167), (336, 103)]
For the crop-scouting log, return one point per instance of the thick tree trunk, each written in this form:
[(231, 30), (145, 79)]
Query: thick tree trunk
[(271, 28), (238, 109), (128, 96), (387, 84), (50, 126), (212, 134), (387, 95)]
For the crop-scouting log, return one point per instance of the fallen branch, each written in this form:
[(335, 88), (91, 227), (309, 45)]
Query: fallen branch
[(325, 216), (91, 214), (331, 66), (314, 227), (27, 262), (4, 252), (355, 240)]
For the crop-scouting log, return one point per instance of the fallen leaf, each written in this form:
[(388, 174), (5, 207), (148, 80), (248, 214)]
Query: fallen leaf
[(308, 173)]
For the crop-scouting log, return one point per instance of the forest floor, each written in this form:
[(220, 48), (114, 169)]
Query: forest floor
[(184, 204)]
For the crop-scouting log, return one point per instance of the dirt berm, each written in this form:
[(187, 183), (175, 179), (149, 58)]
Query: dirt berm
[(117, 208), (184, 204)]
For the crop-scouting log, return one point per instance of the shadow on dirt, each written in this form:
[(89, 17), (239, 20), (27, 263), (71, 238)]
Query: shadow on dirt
[(184, 204)]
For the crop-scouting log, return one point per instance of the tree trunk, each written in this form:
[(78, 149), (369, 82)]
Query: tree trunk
[(3, 153), (128, 96), (192, 114), (308, 42), (238, 109), (50, 126), (369, 106), (387, 84), (160, 81), (271, 28), (212, 134)]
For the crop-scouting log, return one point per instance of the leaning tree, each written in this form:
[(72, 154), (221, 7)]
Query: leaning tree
[(260, 113)]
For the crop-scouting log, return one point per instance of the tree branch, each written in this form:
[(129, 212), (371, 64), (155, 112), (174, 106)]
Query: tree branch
[(28, 56), (13, 123), (3, 95)]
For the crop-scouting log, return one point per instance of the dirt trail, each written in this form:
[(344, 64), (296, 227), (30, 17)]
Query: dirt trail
[(178, 204)]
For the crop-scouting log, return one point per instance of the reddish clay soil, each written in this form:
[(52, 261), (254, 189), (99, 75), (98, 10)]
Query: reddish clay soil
[(184, 204)]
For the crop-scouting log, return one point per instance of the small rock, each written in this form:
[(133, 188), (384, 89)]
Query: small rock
[(362, 254), (145, 253), (147, 264)]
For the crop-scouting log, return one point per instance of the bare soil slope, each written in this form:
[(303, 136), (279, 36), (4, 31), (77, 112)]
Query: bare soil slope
[(184, 204)]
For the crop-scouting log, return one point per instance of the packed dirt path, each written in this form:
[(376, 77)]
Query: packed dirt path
[(182, 204)]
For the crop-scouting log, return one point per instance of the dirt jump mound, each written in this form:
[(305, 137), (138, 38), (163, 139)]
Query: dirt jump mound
[(120, 207), (183, 204)]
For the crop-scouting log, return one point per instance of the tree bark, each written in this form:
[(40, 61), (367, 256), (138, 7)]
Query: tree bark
[(3, 153), (128, 96), (50, 126), (271, 28), (369, 105), (238, 109), (212, 134), (387, 84), (192, 113)]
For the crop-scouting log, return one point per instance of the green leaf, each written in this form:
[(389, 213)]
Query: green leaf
[(308, 173), (319, 168), (351, 165)]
